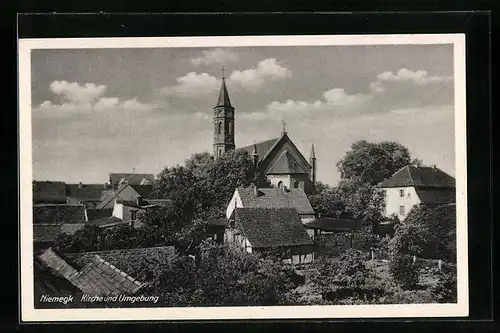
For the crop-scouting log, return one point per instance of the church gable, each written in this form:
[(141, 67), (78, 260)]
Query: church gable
[(286, 164), (285, 155)]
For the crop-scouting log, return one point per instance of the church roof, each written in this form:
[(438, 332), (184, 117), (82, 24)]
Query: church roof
[(263, 148), (286, 164), (223, 99), (411, 175)]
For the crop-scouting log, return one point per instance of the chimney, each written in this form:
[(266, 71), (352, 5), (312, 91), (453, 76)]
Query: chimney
[(80, 185), (139, 201), (434, 166)]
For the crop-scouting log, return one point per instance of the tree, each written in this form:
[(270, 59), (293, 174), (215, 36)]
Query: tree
[(90, 238), (373, 162), (404, 271), (341, 276), (326, 203), (428, 233)]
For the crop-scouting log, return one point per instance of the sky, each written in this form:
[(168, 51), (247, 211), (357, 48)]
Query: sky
[(96, 111)]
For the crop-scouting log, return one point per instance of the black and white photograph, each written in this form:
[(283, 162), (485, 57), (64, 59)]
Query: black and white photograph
[(243, 177)]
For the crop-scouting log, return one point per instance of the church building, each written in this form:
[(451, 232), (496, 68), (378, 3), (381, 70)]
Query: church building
[(278, 158)]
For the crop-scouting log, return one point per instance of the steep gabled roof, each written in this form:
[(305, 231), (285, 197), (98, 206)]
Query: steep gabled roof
[(58, 214), (419, 177), (263, 148), (276, 198), (49, 283), (286, 164), (49, 192), (271, 227), (143, 190), (131, 178), (85, 191)]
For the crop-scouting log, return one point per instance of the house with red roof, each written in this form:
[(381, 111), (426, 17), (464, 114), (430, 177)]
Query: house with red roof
[(412, 186)]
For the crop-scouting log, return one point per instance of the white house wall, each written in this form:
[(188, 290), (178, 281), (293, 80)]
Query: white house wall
[(118, 210), (394, 202), (275, 179), (233, 204)]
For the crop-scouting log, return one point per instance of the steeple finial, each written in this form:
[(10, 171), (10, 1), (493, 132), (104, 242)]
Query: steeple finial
[(313, 154), (254, 148), (283, 132), (223, 99)]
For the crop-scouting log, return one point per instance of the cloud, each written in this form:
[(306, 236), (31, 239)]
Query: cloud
[(82, 98), (214, 56), (405, 89), (74, 92), (255, 77), (192, 85)]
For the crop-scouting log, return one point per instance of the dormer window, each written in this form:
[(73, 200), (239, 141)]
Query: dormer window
[(401, 193)]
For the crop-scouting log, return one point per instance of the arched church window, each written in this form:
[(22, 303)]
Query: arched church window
[(220, 128), (280, 184), (229, 128), (296, 184)]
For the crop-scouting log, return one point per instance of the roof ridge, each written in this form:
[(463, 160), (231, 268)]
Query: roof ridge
[(412, 181), (116, 269), (118, 250)]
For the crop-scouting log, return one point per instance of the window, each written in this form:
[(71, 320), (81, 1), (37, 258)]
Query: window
[(133, 215), (296, 184), (220, 128), (401, 210), (229, 128), (401, 193), (280, 184)]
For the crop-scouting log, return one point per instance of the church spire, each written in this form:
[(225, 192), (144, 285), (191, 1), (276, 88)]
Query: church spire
[(223, 99), (313, 154), (312, 162), (283, 132)]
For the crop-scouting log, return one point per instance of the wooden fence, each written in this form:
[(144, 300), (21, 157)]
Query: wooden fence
[(426, 262)]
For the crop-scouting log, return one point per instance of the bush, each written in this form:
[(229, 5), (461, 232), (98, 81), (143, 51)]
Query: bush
[(404, 271), (445, 290), (411, 297)]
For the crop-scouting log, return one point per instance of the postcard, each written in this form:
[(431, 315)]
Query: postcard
[(243, 177)]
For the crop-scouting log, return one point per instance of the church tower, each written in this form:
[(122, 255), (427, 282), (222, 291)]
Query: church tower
[(223, 122)]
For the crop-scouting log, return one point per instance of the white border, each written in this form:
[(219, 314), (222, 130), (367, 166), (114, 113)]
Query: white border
[(29, 313)]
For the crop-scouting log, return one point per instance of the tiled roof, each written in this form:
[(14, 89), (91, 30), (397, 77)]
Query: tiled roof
[(143, 190), (334, 224), (101, 278), (436, 195), (131, 178), (58, 214), (97, 277), (105, 221), (276, 198), (48, 283), (107, 197), (263, 148), (49, 192), (271, 227), (419, 176), (285, 164), (93, 214), (85, 191), (127, 259), (49, 232)]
